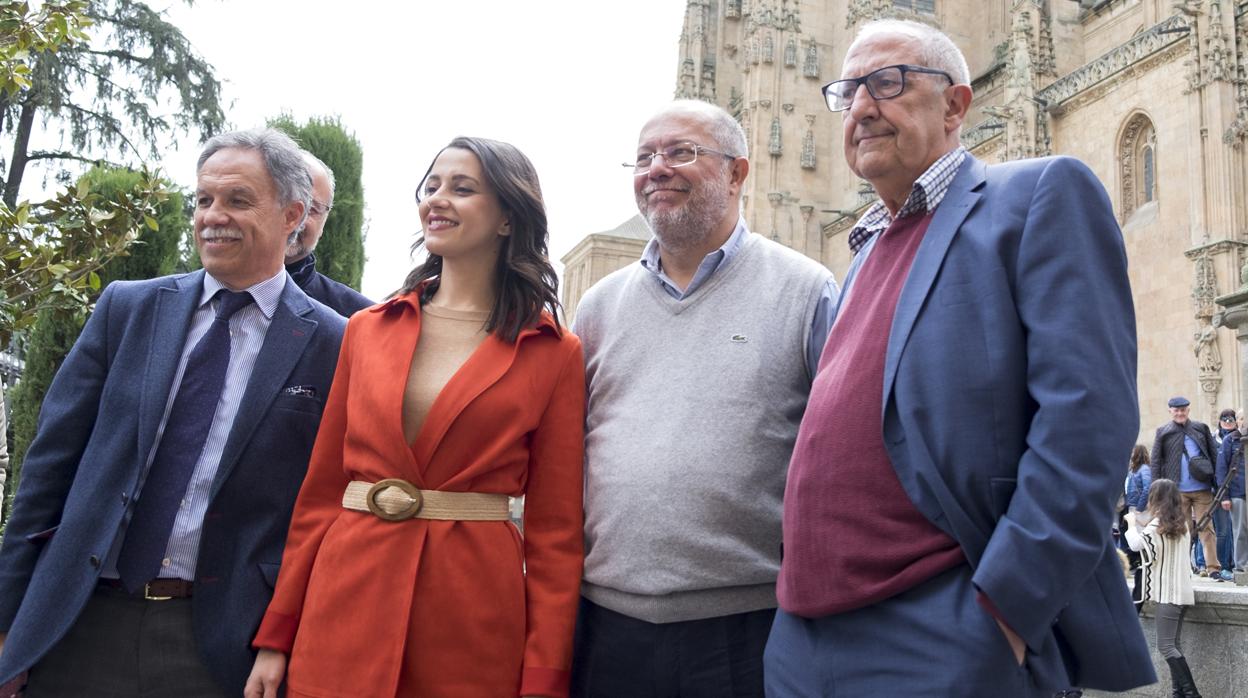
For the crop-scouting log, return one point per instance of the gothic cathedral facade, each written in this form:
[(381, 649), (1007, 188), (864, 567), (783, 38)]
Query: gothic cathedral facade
[(1151, 94)]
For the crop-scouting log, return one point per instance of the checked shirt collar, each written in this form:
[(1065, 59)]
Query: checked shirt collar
[(928, 191)]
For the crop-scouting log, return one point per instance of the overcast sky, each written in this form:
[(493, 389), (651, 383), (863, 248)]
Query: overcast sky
[(568, 82)]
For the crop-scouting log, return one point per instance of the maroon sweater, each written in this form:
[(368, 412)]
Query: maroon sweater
[(852, 536)]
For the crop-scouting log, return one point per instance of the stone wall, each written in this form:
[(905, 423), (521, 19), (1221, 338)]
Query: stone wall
[(1214, 640)]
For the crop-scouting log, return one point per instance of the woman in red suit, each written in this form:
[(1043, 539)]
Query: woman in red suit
[(402, 575)]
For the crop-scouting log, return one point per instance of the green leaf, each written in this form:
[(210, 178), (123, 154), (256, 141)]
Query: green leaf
[(151, 222)]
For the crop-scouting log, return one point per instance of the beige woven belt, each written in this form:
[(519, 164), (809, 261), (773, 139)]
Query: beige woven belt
[(398, 500)]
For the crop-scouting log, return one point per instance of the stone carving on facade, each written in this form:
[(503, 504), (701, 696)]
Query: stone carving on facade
[(810, 67), (685, 88), (1130, 55), (1128, 146), (1236, 132), (769, 49), (1217, 58), (708, 82), (1046, 53), (790, 53), (773, 142), (808, 144), (732, 9), (1019, 110), (981, 132), (1205, 345), (865, 11)]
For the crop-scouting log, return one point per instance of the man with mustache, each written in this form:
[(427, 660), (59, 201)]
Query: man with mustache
[(699, 358), (948, 507), (300, 260), (148, 527)]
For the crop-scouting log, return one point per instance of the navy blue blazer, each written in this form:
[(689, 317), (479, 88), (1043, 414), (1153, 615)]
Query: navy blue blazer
[(1010, 406), (96, 427)]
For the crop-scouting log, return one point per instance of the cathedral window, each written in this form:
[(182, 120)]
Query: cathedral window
[(1137, 163)]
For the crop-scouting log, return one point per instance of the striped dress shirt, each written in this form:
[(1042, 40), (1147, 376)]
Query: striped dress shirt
[(248, 328)]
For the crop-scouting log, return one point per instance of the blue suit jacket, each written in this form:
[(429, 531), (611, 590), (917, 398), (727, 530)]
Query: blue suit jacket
[(96, 427), (1010, 406)]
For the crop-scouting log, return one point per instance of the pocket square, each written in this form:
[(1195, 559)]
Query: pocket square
[(302, 390)]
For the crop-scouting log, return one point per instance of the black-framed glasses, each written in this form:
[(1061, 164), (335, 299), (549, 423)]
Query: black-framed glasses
[(884, 83), (675, 155)]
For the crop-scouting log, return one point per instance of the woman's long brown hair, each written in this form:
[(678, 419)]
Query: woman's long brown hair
[(1166, 505), (524, 277)]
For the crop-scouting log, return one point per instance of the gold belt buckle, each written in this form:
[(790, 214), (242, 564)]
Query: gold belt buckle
[(147, 594), (407, 512)]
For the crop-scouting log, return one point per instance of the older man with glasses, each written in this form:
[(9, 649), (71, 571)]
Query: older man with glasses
[(300, 260), (699, 358), (948, 506)]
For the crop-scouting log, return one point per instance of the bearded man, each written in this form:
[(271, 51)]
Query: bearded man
[(699, 359)]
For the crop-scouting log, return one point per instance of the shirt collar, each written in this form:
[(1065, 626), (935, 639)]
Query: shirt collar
[(653, 263), (926, 194), (266, 294)]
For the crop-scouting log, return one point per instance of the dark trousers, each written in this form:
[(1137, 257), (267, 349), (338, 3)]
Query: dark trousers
[(125, 647), (933, 641), (621, 657)]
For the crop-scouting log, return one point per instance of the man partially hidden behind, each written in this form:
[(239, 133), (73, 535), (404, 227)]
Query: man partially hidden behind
[(1174, 446), (300, 260), (948, 507), (699, 359), (148, 527)]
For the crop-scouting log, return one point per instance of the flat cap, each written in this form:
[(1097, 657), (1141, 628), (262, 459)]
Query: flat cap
[(1179, 401)]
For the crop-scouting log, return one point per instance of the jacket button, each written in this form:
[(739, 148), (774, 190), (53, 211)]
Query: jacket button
[(125, 498), (94, 560)]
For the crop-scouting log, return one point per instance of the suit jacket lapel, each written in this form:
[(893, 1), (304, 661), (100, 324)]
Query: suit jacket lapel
[(953, 209), (288, 335), (171, 320)]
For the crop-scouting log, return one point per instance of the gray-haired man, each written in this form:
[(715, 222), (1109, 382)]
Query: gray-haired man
[(699, 359), (149, 524), (300, 260)]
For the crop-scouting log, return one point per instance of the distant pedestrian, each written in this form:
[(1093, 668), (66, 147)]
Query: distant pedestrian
[(1232, 455), (1163, 542), (1139, 477), (1183, 451)]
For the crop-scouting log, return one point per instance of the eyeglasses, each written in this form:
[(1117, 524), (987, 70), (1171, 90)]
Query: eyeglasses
[(885, 83), (677, 155), (319, 209)]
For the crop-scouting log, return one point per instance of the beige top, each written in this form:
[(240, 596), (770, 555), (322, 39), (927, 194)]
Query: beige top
[(447, 338)]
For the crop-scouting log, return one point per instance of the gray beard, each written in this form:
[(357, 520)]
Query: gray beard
[(295, 249), (688, 226)]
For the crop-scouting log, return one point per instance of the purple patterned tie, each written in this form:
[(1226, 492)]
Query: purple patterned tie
[(186, 430)]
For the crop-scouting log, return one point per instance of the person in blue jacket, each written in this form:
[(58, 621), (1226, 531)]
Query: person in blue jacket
[(1232, 454)]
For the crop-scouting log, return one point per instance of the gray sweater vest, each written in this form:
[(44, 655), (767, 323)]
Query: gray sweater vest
[(693, 410)]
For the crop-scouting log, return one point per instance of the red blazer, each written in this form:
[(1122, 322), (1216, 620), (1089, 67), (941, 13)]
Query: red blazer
[(421, 607)]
